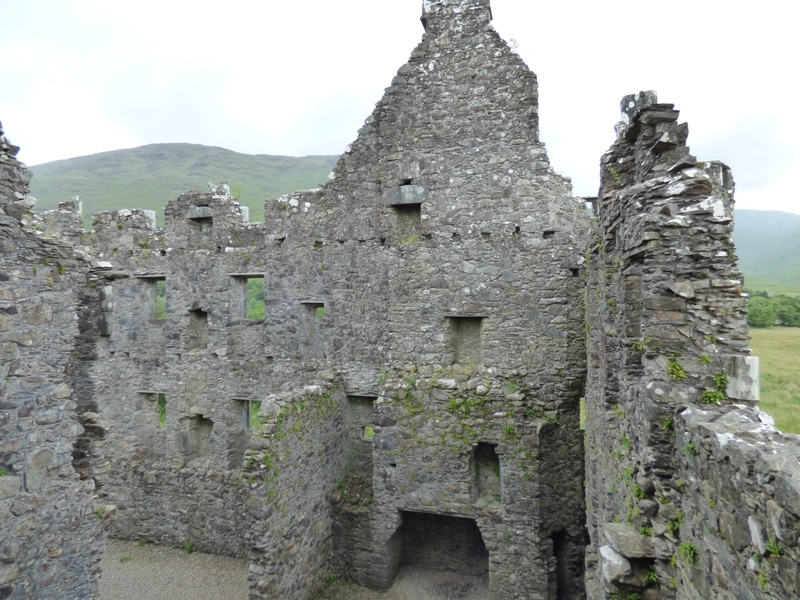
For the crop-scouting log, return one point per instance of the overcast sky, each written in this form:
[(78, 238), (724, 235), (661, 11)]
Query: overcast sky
[(300, 77)]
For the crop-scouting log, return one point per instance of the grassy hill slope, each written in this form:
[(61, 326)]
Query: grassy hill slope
[(768, 245), (150, 176)]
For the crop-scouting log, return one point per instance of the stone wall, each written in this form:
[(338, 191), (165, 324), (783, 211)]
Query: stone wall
[(50, 540), (741, 502), (668, 491), (175, 383), (291, 468)]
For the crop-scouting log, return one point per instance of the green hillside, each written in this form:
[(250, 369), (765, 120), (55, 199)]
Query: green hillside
[(768, 245), (149, 176)]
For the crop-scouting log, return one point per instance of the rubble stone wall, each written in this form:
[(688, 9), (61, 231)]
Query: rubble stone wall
[(679, 470), (290, 472), (50, 540)]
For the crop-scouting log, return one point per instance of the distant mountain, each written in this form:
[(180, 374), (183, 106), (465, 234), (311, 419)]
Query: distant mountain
[(149, 176), (768, 245)]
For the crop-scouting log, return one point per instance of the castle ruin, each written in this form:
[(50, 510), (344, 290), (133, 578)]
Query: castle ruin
[(408, 390)]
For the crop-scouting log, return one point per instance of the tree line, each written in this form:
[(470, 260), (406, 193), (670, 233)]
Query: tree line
[(765, 310)]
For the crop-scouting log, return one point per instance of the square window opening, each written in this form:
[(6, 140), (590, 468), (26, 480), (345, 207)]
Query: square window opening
[(465, 337), (408, 222), (201, 216), (194, 436), (367, 433)]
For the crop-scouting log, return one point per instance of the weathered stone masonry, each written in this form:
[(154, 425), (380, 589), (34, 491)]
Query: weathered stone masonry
[(436, 278), (683, 495), (50, 539), (410, 394)]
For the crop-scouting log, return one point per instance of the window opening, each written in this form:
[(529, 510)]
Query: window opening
[(255, 297), (162, 410), (197, 334), (160, 299), (194, 438), (249, 411), (408, 222), (150, 417), (465, 333), (359, 417), (487, 471), (314, 323), (202, 216), (156, 300), (251, 302)]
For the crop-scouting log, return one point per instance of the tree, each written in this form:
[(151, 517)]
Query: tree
[(787, 310), (760, 312)]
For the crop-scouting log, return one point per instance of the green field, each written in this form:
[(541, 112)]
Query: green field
[(778, 348)]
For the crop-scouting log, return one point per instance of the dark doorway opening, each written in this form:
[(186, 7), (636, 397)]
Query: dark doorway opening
[(444, 543)]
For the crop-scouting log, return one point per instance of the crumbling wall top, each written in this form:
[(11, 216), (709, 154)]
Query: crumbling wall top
[(439, 16)]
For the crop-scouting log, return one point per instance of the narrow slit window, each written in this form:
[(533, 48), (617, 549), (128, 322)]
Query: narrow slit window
[(249, 410), (314, 319), (487, 470), (197, 333), (359, 419), (162, 410), (160, 299)]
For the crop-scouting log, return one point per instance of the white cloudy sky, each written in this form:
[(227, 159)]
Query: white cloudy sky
[(299, 77)]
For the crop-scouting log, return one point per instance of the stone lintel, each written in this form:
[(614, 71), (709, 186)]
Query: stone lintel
[(407, 194), (200, 212)]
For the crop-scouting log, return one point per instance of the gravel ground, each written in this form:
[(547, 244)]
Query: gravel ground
[(135, 571), (415, 584)]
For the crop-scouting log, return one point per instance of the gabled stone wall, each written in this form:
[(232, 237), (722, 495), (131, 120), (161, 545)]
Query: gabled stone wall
[(438, 273)]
